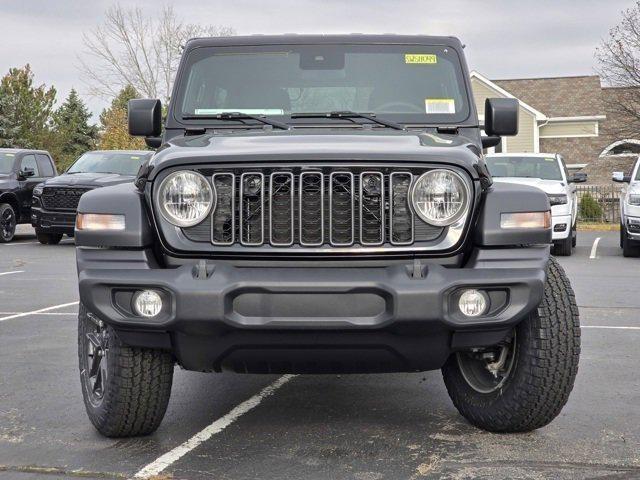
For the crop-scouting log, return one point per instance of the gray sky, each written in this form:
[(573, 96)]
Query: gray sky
[(505, 39)]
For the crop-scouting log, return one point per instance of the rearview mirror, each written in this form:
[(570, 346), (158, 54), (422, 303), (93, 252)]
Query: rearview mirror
[(145, 117), (620, 177), (578, 177), (501, 116)]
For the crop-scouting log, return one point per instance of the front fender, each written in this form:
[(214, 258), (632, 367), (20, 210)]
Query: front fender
[(124, 200), (511, 198)]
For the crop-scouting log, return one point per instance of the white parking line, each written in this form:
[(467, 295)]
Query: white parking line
[(11, 273), (594, 249), (34, 312), (42, 313), (157, 466), (609, 327)]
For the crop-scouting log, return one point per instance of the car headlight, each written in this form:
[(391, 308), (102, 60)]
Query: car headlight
[(185, 198), (440, 197), (557, 199), (633, 199), (37, 190)]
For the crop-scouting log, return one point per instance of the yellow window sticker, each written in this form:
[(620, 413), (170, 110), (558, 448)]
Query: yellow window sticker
[(441, 106), (9, 154), (135, 158), (420, 58)]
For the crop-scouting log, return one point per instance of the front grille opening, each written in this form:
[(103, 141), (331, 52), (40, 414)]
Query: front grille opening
[(312, 207), (62, 198)]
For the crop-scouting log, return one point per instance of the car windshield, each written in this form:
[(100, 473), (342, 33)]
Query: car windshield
[(6, 163), (546, 168), (637, 178), (401, 83), (122, 163)]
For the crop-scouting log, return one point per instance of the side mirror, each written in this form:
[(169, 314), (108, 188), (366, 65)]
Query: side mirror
[(620, 177), (501, 116), (578, 177), (145, 117), (27, 172)]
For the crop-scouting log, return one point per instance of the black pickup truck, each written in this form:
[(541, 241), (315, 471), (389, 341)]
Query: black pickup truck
[(321, 204), (53, 212), (20, 171)]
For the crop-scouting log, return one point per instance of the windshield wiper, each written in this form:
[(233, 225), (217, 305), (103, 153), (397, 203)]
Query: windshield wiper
[(239, 116), (348, 114)]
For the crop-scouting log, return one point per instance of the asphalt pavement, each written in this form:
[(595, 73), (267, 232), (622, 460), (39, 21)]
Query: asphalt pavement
[(361, 427)]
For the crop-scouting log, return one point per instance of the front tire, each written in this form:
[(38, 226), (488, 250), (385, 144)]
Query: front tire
[(629, 247), (538, 370), (563, 248), (126, 390), (8, 222), (48, 238)]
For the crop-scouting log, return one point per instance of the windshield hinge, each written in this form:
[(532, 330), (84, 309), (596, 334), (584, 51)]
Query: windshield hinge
[(447, 130)]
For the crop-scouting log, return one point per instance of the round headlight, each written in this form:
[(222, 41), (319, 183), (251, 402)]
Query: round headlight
[(185, 198), (440, 197)]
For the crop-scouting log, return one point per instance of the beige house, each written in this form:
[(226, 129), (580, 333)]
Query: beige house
[(567, 115)]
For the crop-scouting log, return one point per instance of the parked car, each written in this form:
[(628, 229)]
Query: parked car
[(20, 171), (321, 204), (548, 172), (630, 211), (54, 204)]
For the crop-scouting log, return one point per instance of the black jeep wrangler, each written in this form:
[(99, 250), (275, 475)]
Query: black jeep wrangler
[(21, 170), (53, 213), (320, 204)]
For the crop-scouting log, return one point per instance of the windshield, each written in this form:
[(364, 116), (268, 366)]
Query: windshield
[(637, 178), (405, 83), (122, 163), (546, 168), (6, 163)]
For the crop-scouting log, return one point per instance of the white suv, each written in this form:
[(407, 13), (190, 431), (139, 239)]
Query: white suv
[(630, 212), (548, 172)]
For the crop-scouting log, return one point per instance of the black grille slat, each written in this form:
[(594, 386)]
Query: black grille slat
[(62, 198), (223, 218), (311, 209), (281, 201), (372, 208), (402, 222), (341, 208), (252, 208)]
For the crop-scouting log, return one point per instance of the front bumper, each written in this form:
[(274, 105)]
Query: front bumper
[(53, 222), (557, 221), (398, 317), (633, 228)]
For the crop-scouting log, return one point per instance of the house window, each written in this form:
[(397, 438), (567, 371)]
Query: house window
[(622, 147)]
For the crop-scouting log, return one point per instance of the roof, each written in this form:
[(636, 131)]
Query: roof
[(22, 150), (559, 96), (295, 39), (539, 115)]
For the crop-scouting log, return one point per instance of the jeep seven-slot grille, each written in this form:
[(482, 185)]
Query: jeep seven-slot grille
[(312, 208), (62, 198)]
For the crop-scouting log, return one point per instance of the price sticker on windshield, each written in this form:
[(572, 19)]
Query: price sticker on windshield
[(441, 106), (420, 58)]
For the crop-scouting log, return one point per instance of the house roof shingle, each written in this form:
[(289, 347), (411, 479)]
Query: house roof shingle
[(559, 97)]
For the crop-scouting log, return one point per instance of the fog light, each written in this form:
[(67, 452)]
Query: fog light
[(473, 303), (560, 227), (147, 303)]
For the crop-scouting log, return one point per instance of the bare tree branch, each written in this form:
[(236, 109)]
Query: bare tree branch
[(129, 48)]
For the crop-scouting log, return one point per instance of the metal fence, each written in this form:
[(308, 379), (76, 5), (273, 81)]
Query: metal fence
[(599, 203)]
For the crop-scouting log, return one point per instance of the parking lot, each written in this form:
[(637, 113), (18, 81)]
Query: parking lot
[(362, 427)]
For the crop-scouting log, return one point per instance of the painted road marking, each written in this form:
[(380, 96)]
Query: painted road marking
[(34, 312), (17, 243), (607, 327), (594, 249), (11, 273), (166, 460), (44, 313)]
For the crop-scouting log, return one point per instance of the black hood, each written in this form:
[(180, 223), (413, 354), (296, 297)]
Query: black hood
[(306, 145), (88, 180)]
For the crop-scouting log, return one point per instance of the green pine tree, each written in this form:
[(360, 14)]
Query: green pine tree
[(25, 110), (74, 134)]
